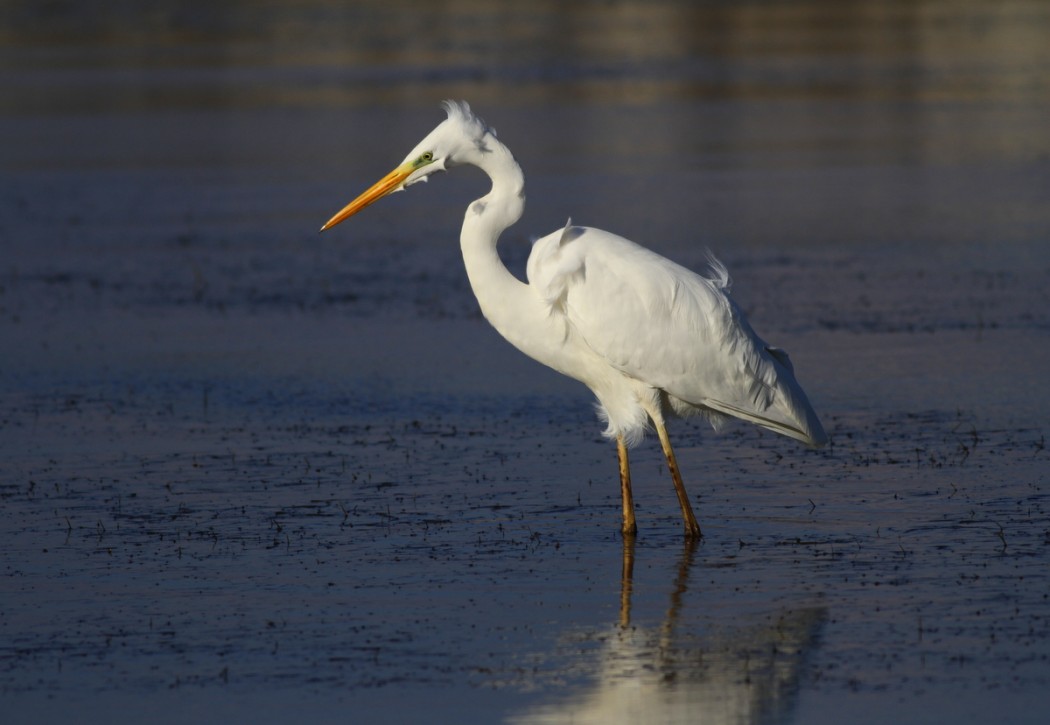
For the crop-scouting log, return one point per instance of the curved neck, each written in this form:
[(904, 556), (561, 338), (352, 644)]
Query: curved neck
[(504, 299)]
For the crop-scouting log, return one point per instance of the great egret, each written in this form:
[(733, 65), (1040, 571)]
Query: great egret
[(650, 338)]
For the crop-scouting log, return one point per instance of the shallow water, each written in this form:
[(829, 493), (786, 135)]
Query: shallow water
[(250, 472)]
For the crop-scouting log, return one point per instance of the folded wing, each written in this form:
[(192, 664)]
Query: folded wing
[(670, 328)]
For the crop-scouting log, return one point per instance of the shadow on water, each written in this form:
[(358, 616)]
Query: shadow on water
[(748, 672)]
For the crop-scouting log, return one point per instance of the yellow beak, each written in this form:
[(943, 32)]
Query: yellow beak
[(390, 182)]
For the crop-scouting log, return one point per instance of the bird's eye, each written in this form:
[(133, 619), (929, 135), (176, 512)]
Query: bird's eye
[(426, 157)]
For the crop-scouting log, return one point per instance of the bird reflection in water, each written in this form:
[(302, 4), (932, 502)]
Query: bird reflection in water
[(749, 674)]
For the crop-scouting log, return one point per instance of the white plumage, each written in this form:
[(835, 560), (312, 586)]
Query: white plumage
[(649, 337)]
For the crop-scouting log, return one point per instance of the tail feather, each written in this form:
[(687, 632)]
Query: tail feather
[(789, 412), (811, 435)]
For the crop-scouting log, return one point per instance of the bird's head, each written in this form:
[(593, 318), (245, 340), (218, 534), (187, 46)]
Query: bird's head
[(455, 140)]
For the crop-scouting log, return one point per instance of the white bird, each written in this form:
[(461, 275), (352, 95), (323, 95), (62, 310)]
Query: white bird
[(650, 338)]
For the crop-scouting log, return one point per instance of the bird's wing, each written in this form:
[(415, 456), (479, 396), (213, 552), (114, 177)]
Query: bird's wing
[(670, 328)]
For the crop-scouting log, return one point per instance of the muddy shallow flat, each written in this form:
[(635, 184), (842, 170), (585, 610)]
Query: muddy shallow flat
[(217, 545), (253, 473)]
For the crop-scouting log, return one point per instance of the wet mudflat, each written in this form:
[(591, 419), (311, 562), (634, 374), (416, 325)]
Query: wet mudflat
[(253, 473)]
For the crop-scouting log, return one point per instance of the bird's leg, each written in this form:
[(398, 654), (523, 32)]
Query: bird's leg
[(627, 580), (692, 529), (630, 528)]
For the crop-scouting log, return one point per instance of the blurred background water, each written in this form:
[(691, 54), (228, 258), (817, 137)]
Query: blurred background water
[(943, 104), (180, 153)]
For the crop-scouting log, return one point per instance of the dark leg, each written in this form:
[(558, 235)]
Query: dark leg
[(630, 528), (692, 528), (627, 580)]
